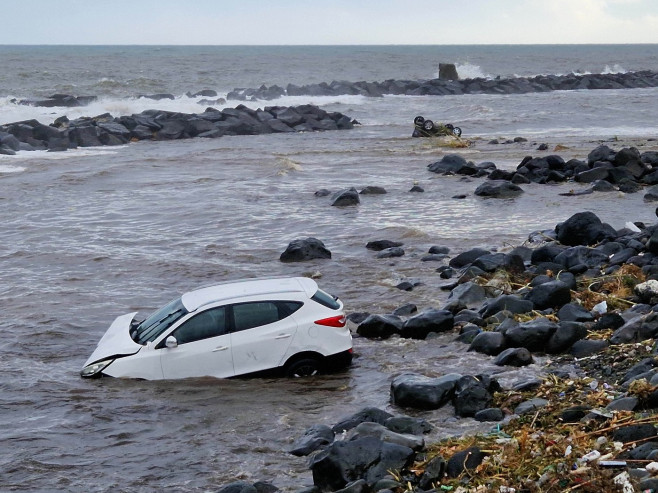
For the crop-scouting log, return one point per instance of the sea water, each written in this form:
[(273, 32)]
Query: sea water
[(90, 234)]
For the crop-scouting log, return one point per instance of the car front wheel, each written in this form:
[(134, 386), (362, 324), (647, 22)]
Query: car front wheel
[(306, 367)]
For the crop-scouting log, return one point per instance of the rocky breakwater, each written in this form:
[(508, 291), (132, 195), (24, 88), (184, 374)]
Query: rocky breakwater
[(583, 293), (106, 130), (439, 87), (603, 170)]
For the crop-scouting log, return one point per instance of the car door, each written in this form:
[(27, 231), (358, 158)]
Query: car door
[(261, 334), (203, 347)]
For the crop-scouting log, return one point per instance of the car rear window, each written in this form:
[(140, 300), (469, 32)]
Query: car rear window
[(325, 299), (254, 314)]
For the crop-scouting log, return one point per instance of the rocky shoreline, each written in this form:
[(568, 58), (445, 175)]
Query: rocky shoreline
[(582, 293), (106, 130)]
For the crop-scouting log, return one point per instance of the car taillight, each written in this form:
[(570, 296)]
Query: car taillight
[(337, 321)]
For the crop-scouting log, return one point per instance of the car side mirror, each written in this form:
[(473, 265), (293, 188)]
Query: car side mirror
[(171, 342)]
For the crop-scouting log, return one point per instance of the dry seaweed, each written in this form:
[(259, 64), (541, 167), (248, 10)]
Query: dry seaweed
[(539, 452)]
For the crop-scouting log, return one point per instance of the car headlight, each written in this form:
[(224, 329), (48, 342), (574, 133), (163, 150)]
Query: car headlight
[(95, 369)]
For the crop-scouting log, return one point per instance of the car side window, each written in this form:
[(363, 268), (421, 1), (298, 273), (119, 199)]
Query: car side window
[(250, 315), (207, 324)]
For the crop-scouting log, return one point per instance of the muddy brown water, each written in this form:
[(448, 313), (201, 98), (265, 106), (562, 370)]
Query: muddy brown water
[(90, 235)]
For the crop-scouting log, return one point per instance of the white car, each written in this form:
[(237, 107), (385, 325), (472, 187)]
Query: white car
[(227, 330)]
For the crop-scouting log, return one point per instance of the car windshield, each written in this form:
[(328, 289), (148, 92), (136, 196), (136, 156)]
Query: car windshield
[(158, 322)]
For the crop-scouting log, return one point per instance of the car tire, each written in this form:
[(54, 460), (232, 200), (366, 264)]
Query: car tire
[(306, 367), (418, 121), (457, 131), (428, 125)]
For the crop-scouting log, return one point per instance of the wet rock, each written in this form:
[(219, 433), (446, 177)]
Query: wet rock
[(496, 261), (471, 395), (453, 164), (628, 403), (510, 303), (514, 357), (532, 335), (405, 310), (314, 438), (644, 366), (373, 190), (549, 295), (609, 321), (574, 414), (305, 249), (464, 461), (381, 432), (490, 414), (405, 286), (379, 245), (364, 458), (490, 343), (437, 249), (498, 189), (584, 228), (468, 257), (469, 316), (390, 253), (587, 347), (365, 415), (408, 425), (628, 332), (634, 432), (469, 294), (581, 257), (565, 336), (380, 326), (346, 198), (418, 326), (572, 312), (434, 472), (530, 406), (421, 392)]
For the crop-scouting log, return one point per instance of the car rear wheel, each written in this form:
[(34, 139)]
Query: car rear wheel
[(305, 367), (428, 125), (418, 121), (457, 131)]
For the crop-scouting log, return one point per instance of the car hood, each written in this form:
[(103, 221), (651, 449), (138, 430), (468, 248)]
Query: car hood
[(116, 341)]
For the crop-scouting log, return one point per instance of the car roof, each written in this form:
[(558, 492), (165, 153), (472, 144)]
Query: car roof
[(193, 300)]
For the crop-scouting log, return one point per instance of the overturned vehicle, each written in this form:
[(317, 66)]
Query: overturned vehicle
[(427, 128)]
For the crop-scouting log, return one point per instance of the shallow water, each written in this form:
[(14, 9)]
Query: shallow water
[(90, 234)]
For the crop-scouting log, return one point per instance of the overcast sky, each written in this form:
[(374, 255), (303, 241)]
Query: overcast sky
[(277, 22)]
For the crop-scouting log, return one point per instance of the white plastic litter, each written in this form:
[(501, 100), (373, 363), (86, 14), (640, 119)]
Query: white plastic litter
[(652, 468), (591, 456), (600, 308), (624, 480), (632, 227)]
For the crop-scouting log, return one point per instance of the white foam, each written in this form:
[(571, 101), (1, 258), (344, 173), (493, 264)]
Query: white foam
[(10, 169), (615, 69), (12, 112), (53, 156), (470, 71)]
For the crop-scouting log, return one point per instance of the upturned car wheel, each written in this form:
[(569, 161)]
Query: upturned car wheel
[(418, 121), (457, 131), (306, 367), (428, 125)]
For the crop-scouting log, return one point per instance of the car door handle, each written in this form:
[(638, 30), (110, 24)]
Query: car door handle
[(220, 348), (282, 336)]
